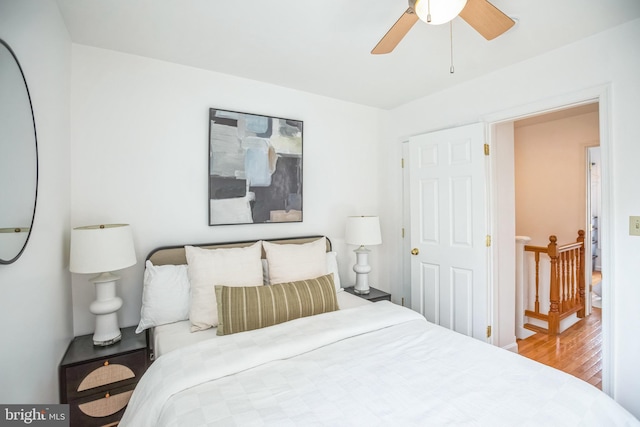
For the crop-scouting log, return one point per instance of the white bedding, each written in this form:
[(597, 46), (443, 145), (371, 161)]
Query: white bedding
[(378, 364), (176, 335)]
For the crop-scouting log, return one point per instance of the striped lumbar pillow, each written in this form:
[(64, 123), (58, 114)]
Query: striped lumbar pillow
[(247, 308)]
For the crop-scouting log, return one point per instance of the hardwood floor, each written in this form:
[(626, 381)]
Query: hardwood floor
[(577, 351)]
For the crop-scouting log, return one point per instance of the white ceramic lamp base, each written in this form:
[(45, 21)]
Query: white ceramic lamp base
[(362, 269), (106, 307)]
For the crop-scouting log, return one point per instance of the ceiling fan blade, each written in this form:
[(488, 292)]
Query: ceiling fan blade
[(486, 19), (396, 33)]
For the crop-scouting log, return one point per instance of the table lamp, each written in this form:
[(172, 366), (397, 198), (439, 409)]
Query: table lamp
[(361, 231), (103, 249)]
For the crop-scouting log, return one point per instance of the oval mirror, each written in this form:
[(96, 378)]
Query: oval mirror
[(18, 158)]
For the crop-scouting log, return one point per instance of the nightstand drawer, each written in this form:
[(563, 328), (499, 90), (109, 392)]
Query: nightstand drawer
[(102, 409), (110, 372)]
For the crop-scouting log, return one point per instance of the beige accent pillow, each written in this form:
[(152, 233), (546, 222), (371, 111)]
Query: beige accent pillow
[(211, 267), (291, 262), (246, 308)]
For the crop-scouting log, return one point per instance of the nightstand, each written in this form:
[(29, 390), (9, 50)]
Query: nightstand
[(97, 382), (374, 294)]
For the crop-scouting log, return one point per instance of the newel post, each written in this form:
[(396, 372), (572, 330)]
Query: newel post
[(581, 278), (554, 294)]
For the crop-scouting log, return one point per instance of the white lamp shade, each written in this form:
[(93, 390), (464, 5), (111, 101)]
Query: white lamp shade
[(363, 231), (101, 248), (442, 11)]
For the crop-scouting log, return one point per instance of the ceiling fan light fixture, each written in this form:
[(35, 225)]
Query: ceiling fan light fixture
[(439, 11)]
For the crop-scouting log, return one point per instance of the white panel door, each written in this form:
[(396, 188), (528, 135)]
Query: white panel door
[(448, 208)]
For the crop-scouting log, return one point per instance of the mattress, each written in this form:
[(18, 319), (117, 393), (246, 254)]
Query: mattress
[(376, 364), (167, 338)]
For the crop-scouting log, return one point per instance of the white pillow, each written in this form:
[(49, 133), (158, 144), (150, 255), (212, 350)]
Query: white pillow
[(293, 262), (265, 272), (165, 295), (211, 267), (332, 267)]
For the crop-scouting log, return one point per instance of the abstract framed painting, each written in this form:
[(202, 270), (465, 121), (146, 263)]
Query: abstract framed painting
[(255, 168)]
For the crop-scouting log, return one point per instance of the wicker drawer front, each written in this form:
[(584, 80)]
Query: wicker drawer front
[(90, 377), (108, 373), (101, 409), (107, 405)]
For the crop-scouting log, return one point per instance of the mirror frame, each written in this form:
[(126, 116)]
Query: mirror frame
[(35, 141)]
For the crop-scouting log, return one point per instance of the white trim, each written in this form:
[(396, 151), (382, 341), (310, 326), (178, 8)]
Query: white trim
[(600, 94), (607, 245), (588, 237), (511, 347), (406, 221), (561, 102)]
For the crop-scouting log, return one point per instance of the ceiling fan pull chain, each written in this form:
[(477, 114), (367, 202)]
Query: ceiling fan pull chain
[(428, 10), (451, 69)]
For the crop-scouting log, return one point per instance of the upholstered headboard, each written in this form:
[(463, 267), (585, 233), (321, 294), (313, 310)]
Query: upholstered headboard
[(176, 255)]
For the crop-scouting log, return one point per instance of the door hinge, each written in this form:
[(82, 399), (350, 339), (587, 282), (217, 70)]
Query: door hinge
[(403, 301), (402, 163), (488, 240), (486, 149), (488, 331), (403, 232)]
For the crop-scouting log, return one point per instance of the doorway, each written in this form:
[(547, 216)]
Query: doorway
[(557, 175), (500, 137)]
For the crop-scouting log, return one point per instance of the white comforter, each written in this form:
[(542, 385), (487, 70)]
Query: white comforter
[(379, 364)]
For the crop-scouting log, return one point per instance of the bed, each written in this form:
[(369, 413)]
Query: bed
[(352, 363)]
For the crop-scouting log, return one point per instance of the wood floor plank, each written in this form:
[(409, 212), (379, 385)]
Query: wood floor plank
[(577, 351)]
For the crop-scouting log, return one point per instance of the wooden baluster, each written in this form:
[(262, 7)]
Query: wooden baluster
[(569, 280), (562, 264), (574, 276), (537, 303), (581, 265), (578, 277), (554, 297), (569, 299)]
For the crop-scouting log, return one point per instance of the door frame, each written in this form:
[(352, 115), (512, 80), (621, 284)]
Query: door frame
[(588, 253), (600, 94)]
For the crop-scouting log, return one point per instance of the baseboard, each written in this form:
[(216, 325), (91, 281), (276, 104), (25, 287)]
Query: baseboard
[(511, 347), (522, 333)]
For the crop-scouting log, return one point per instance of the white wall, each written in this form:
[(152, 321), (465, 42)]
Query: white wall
[(35, 306), (139, 155), (503, 236), (610, 58), (551, 177)]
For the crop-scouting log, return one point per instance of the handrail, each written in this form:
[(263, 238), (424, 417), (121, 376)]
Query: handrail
[(531, 248), (570, 246)]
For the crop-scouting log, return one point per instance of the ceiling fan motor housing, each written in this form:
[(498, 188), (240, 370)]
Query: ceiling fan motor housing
[(436, 12)]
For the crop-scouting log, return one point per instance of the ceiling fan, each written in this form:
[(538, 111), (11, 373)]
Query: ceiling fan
[(484, 17)]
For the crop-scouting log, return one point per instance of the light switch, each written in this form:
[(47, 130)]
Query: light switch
[(634, 225)]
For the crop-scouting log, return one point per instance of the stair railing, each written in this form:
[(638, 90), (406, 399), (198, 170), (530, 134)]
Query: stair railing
[(566, 282)]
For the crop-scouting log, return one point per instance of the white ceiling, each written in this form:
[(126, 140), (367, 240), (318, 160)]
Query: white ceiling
[(323, 47)]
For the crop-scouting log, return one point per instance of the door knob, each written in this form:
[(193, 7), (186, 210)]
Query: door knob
[(415, 251)]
